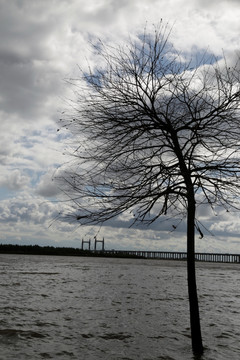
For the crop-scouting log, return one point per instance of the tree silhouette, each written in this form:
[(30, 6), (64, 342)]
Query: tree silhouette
[(157, 136)]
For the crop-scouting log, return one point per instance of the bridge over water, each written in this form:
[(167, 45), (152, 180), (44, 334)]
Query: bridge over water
[(167, 255)]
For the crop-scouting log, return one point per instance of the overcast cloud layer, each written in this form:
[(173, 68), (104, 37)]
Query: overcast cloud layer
[(41, 44)]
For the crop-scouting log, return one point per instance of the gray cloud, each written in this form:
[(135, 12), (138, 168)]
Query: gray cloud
[(28, 72), (215, 3), (47, 187)]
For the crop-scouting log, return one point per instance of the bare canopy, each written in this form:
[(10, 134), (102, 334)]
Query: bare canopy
[(148, 124), (158, 135)]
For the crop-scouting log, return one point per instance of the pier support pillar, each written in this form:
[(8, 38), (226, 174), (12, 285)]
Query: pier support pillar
[(86, 242), (98, 241)]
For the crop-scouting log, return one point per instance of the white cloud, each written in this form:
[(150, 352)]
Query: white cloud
[(16, 180)]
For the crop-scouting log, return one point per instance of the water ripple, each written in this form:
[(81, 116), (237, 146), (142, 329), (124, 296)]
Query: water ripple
[(114, 309)]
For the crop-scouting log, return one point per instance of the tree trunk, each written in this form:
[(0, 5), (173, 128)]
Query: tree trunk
[(192, 287)]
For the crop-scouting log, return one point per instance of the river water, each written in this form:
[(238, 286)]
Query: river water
[(114, 309)]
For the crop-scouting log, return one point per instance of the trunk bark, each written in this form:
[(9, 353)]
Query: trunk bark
[(197, 345)]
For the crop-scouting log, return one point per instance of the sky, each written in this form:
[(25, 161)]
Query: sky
[(42, 44)]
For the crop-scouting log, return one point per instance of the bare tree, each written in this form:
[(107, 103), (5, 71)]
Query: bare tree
[(157, 136)]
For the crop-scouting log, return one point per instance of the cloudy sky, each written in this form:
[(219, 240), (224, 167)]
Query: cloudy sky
[(42, 42)]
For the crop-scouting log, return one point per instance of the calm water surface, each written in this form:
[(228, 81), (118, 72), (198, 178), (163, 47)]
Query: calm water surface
[(117, 309)]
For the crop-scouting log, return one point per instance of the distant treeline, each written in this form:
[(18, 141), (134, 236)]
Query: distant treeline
[(51, 250), (42, 250)]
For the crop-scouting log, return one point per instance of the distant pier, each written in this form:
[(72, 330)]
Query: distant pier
[(161, 255), (168, 255)]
